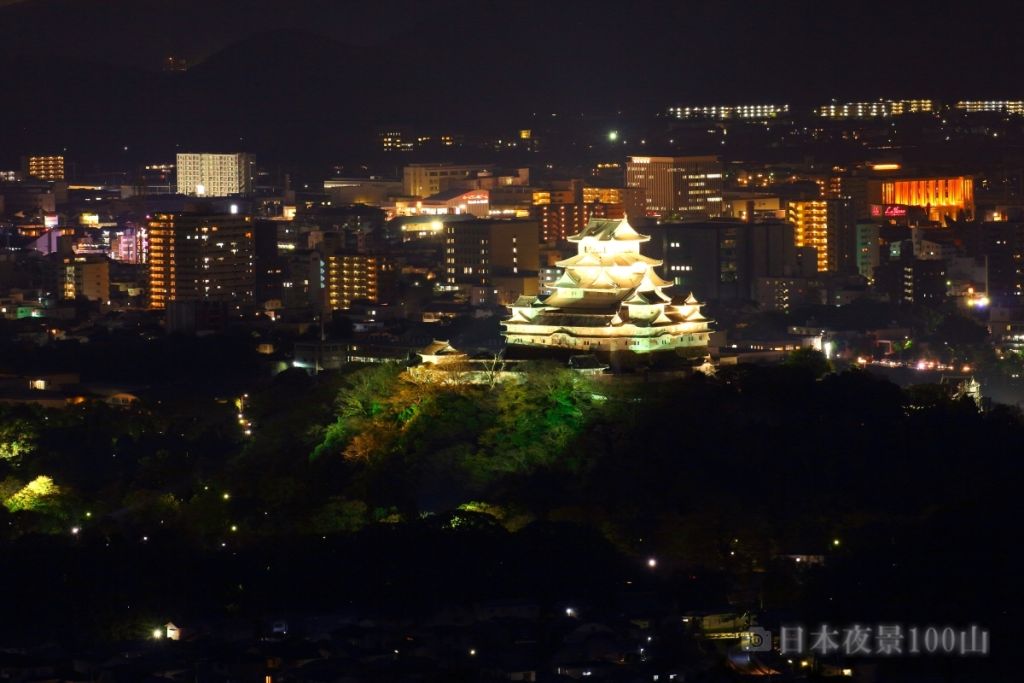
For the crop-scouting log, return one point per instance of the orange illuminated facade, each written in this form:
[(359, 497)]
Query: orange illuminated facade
[(810, 228), (631, 199), (46, 167), (199, 257), (358, 277), (941, 197)]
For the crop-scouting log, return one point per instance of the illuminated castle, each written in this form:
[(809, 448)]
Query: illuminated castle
[(608, 302)]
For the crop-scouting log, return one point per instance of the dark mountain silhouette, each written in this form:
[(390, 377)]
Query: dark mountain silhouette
[(315, 85)]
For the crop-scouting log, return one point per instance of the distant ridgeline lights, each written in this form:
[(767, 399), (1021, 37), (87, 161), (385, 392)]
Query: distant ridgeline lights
[(868, 109), (723, 112), (874, 109), (1001, 106)]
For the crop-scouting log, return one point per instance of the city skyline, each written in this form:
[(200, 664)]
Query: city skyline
[(476, 341)]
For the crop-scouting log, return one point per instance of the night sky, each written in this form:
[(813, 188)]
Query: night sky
[(864, 48), (85, 71)]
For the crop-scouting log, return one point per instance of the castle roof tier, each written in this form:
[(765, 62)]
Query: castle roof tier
[(608, 299), (608, 229)]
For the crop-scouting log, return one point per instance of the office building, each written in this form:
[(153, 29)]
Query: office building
[(721, 258), (689, 188), (45, 167), (214, 175), (200, 257)]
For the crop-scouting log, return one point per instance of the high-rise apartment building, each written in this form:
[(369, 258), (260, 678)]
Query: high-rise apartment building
[(830, 227), (868, 254), (45, 167), (214, 175), (558, 221), (359, 277), (200, 257), (86, 276), (687, 187), (810, 228), (477, 251), (631, 199)]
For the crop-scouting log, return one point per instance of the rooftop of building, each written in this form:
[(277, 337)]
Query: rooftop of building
[(446, 195)]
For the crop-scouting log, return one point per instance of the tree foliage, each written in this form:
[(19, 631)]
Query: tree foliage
[(38, 495), (17, 438)]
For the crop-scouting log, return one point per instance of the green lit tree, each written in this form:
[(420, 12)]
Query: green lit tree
[(39, 495), (811, 361), (17, 438)]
